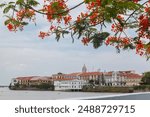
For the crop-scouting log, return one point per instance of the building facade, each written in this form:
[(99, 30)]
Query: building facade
[(69, 84), (76, 81), (133, 79), (31, 80)]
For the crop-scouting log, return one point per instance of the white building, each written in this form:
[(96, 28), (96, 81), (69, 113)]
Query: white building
[(69, 84), (114, 78), (14, 81)]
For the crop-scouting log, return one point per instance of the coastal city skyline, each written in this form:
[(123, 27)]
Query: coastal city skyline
[(83, 70), (91, 69), (78, 80), (25, 54)]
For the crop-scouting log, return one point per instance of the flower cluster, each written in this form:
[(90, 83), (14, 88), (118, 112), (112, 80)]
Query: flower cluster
[(93, 4), (85, 40), (97, 15), (18, 23), (43, 34), (140, 48), (94, 17), (116, 27), (67, 19), (57, 10), (144, 23), (120, 42), (82, 16), (13, 25), (25, 13)]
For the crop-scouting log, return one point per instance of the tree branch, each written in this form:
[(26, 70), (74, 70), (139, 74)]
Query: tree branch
[(54, 13), (134, 12)]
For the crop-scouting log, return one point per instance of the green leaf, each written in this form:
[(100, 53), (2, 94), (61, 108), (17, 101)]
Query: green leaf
[(6, 10), (129, 46), (120, 22), (87, 1), (99, 38), (2, 5), (33, 2), (11, 2), (7, 21), (104, 35), (55, 4), (104, 2), (20, 1), (24, 23), (64, 32), (57, 32)]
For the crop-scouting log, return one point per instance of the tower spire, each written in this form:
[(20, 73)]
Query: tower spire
[(84, 69)]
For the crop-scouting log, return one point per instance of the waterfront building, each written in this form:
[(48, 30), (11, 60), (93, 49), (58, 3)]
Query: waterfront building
[(73, 75), (114, 78), (122, 78), (96, 77), (31, 80), (69, 84), (24, 80), (13, 82), (75, 81), (58, 75), (40, 80), (133, 79)]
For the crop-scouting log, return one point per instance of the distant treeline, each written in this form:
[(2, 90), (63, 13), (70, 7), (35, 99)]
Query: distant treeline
[(108, 89)]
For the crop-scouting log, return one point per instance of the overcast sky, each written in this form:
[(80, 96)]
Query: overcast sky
[(24, 54)]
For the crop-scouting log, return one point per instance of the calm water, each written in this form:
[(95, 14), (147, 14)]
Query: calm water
[(6, 94)]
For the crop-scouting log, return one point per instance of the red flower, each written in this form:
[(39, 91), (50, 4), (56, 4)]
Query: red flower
[(116, 28), (43, 34), (10, 27), (136, 1), (67, 19), (85, 40), (141, 17), (52, 28), (144, 23)]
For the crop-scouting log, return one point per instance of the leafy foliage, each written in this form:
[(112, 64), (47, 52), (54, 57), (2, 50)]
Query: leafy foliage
[(121, 16), (45, 86), (99, 38), (146, 78)]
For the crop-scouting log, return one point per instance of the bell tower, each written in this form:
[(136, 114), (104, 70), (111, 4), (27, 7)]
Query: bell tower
[(84, 69)]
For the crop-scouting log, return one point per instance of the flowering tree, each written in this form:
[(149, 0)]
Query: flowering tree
[(122, 16)]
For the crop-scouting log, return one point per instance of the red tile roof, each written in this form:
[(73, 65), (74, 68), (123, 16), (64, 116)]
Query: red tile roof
[(73, 74), (25, 78), (90, 73), (60, 79), (34, 78), (108, 73), (133, 75)]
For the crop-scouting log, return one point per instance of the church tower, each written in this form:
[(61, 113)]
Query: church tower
[(84, 69)]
